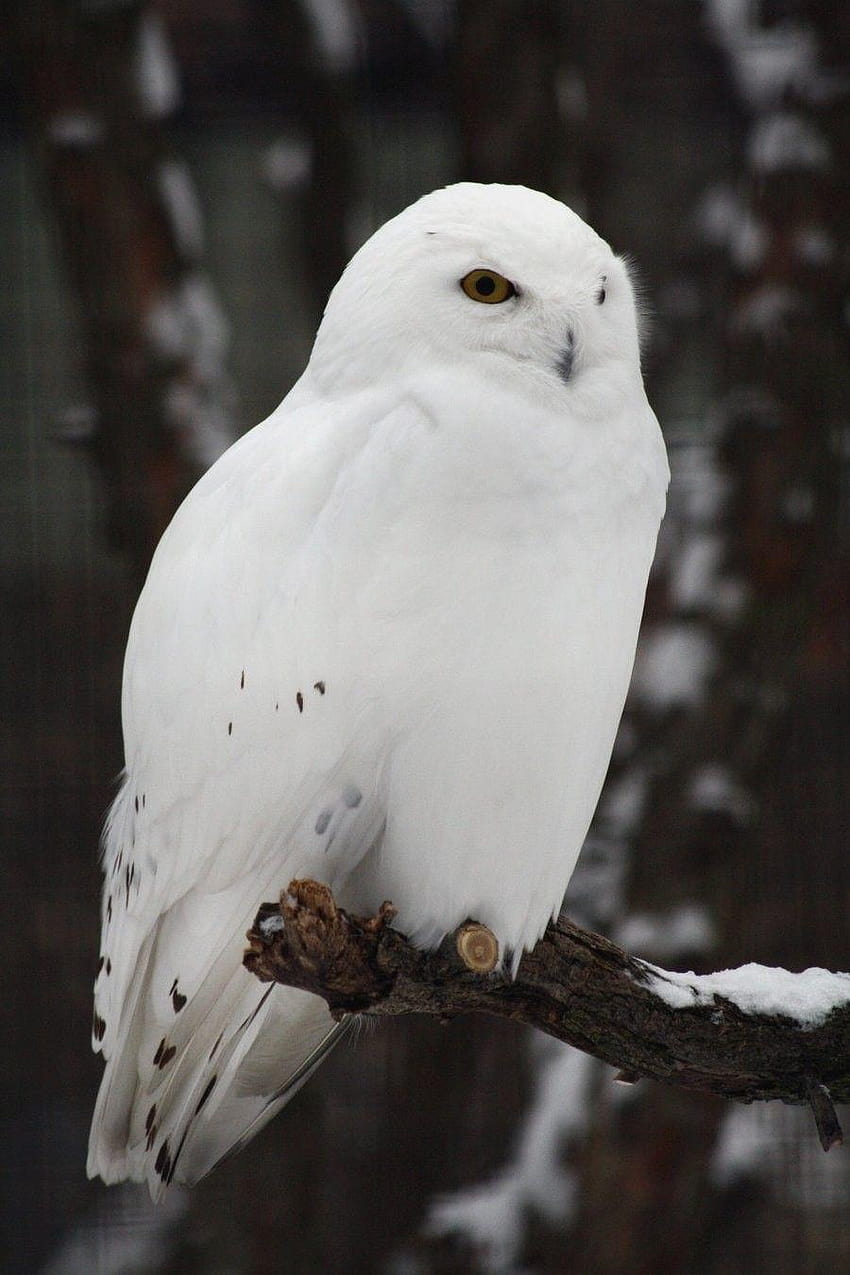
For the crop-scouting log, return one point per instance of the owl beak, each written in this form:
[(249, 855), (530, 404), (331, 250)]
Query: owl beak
[(564, 365)]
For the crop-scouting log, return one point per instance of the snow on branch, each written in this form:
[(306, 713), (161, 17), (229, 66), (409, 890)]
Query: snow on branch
[(748, 1034)]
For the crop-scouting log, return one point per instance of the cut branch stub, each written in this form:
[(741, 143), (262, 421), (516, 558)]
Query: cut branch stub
[(574, 985), (477, 947)]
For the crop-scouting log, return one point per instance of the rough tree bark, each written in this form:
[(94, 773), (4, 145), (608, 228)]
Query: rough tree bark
[(96, 92), (574, 985)]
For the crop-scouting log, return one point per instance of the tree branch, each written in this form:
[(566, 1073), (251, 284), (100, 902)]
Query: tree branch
[(576, 986)]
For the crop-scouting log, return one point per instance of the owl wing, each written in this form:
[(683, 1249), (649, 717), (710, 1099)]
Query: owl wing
[(251, 757)]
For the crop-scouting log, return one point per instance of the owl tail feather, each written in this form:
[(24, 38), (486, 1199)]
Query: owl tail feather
[(220, 1103), (249, 1055)]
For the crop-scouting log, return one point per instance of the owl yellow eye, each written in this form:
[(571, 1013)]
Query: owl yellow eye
[(487, 286)]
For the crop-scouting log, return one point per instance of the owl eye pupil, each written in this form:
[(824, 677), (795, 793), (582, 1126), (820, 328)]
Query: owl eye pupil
[(487, 286)]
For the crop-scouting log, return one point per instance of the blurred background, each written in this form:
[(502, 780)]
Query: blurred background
[(180, 185)]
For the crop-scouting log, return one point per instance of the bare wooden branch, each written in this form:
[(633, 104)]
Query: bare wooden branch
[(574, 985)]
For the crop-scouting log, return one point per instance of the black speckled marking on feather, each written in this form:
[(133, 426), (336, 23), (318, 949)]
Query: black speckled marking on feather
[(151, 1128), (129, 875), (173, 1163), (206, 1094), (164, 1054), (162, 1164)]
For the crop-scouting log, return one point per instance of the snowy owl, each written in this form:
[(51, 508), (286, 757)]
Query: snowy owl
[(384, 643)]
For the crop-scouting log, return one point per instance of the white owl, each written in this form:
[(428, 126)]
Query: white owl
[(384, 643)]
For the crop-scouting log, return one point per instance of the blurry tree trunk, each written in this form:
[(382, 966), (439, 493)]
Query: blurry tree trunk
[(321, 94), (783, 535), (507, 57), (98, 88)]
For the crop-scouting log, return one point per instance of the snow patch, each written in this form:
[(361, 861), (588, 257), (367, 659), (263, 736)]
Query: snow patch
[(766, 310), (623, 803), (178, 194), (491, 1215), (77, 423), (798, 504), (767, 61), (156, 71), (673, 666), (773, 1143), (595, 892), (188, 321), (748, 243), (201, 416), (693, 578), (699, 489), (725, 222), (666, 935), (718, 212), (185, 326), (714, 789), (785, 140), (815, 246), (287, 163), (124, 1234), (571, 94), (76, 128), (808, 997), (335, 33), (743, 1144)]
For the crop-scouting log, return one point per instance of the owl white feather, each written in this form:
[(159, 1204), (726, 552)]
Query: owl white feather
[(384, 643)]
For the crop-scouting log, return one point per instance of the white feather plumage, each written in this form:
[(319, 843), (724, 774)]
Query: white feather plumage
[(385, 642)]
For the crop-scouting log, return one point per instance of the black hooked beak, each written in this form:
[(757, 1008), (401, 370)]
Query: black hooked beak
[(564, 366)]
